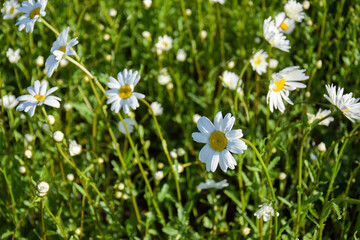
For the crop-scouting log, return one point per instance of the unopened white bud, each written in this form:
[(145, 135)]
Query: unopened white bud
[(180, 152), (121, 186), (196, 118), (78, 231), (70, 177), (108, 57), (118, 194), (146, 34), (106, 36), (245, 231), (282, 176), (67, 106), (160, 165), (307, 94), (173, 153), (321, 147), (51, 119), (39, 61), (169, 86), (100, 160), (28, 153), (318, 64), (42, 188), (112, 12), (203, 35), (231, 64), (273, 63), (188, 12), (306, 5), (58, 136), (22, 169), (159, 175)]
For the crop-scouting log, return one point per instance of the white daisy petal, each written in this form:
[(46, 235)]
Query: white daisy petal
[(205, 126), (236, 146), (199, 137)]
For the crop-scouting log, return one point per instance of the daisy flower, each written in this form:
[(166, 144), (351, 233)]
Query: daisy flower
[(121, 91), (259, 63), (164, 77), (9, 9), (265, 211), (286, 25), (209, 183), (32, 11), (164, 43), (8, 101), (220, 140), (13, 56), (156, 108), (129, 125), (294, 10), (181, 55), (320, 115), (230, 80), (273, 35), (283, 82), (38, 96), (60, 49), (348, 105), (74, 148)]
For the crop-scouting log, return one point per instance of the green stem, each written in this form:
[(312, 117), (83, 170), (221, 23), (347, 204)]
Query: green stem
[(56, 221), (268, 179), (13, 206), (42, 219), (49, 26), (221, 32)]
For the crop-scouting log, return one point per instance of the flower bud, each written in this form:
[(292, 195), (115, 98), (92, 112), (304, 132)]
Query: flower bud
[(42, 188), (58, 136)]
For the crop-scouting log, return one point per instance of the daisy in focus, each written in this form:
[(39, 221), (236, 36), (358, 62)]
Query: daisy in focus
[(13, 56), (230, 80), (259, 63), (273, 35), (294, 10), (60, 49), (265, 211), (320, 115), (220, 141), (9, 9), (121, 91), (348, 105), (164, 43), (209, 183), (32, 11), (8, 101), (286, 25), (283, 82), (38, 96)]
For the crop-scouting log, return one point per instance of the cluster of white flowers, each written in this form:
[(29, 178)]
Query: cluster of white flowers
[(265, 212)]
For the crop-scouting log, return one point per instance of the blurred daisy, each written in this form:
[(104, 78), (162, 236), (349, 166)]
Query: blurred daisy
[(156, 108), (219, 1), (129, 125), (259, 63), (112, 12), (348, 105), (164, 77), (181, 55), (147, 3), (230, 80), (164, 43), (121, 91), (32, 11), (38, 96), (273, 63), (209, 183), (294, 10), (273, 35), (13, 56), (265, 211), (159, 175), (60, 49), (179, 168), (283, 82), (8, 101), (74, 148), (320, 115), (286, 25), (9, 9), (220, 140)]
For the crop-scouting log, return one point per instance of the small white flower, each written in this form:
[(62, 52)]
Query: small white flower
[(39, 61), (273, 35), (265, 211), (173, 153), (78, 231), (212, 184), (32, 11), (106, 36), (70, 177), (159, 175), (121, 186), (164, 77), (22, 169), (169, 86), (245, 231), (231, 80), (112, 12), (100, 160), (146, 35), (294, 10), (179, 169), (188, 12), (156, 108), (219, 1), (203, 35), (320, 115), (8, 101), (13, 56), (59, 50), (259, 63), (286, 25), (220, 140), (322, 147), (147, 3), (28, 153), (181, 55), (38, 96), (42, 188), (9, 9), (283, 82), (58, 136), (74, 148), (160, 165), (273, 63), (348, 105), (118, 194), (164, 43), (121, 91), (231, 64), (180, 152), (51, 119), (196, 117), (282, 176), (108, 57), (67, 107), (129, 125)]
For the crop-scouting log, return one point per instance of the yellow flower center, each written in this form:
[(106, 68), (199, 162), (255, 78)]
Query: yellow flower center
[(279, 85), (62, 48), (218, 141), (165, 44), (125, 92), (39, 97), (12, 10), (347, 109), (284, 26), (257, 61), (34, 12)]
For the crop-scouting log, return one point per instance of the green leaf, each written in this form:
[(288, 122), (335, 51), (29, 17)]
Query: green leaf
[(170, 231), (337, 210), (273, 163)]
